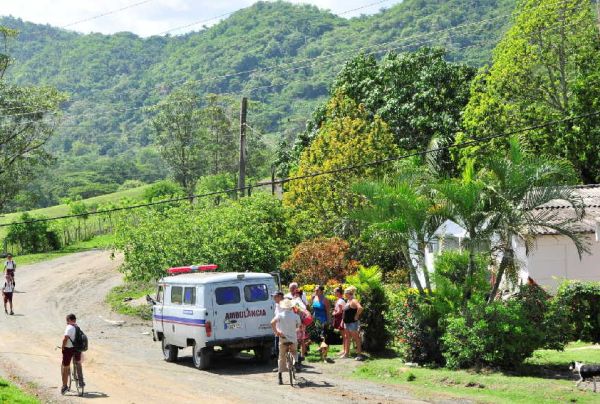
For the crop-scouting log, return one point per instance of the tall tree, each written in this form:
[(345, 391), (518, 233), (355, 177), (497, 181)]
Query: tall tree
[(348, 136), (546, 68), (28, 116), (181, 137), (418, 94)]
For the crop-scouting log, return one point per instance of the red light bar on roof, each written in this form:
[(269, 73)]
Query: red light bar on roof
[(192, 268)]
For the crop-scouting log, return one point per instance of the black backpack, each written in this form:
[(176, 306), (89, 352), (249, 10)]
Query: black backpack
[(80, 343)]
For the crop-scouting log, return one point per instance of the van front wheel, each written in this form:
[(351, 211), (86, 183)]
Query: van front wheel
[(169, 351), (202, 357)]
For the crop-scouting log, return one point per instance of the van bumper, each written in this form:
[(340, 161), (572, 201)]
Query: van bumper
[(242, 343)]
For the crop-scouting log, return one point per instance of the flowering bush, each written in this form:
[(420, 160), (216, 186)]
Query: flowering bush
[(320, 260)]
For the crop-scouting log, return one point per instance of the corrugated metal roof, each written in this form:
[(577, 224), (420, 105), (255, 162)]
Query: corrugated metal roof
[(590, 194)]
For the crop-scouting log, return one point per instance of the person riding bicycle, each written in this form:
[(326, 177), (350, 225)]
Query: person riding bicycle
[(68, 352), (285, 324)]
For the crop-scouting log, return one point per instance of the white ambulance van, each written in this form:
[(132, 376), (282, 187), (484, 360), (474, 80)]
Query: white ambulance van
[(213, 311)]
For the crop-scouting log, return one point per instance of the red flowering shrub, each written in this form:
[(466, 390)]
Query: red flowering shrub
[(319, 261)]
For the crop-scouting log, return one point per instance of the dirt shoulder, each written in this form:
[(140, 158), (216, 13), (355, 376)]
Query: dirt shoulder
[(124, 364)]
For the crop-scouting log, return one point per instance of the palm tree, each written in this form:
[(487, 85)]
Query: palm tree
[(402, 207), (518, 186), (464, 201)]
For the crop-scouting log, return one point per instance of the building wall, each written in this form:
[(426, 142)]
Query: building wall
[(555, 258)]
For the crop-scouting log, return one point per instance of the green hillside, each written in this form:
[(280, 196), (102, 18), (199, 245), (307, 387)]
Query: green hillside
[(63, 209), (284, 56)]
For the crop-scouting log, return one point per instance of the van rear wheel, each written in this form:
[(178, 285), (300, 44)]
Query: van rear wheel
[(263, 353), (202, 356), (169, 351)]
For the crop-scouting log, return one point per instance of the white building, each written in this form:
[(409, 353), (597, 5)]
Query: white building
[(554, 257)]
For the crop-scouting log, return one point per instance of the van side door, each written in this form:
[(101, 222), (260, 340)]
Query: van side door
[(259, 307)]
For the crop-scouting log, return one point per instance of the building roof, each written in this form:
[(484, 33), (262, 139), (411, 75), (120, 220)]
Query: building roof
[(590, 195)]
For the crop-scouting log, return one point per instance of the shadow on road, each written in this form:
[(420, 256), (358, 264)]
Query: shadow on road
[(92, 394)]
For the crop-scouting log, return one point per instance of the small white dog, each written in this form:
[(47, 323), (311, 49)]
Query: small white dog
[(586, 372)]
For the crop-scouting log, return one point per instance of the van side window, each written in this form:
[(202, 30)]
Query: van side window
[(160, 294), (176, 294), (189, 295), (227, 295), (256, 293)]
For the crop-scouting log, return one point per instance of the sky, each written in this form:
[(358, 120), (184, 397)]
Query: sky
[(152, 17)]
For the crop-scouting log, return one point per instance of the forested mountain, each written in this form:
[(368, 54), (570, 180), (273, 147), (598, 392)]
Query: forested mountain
[(280, 55)]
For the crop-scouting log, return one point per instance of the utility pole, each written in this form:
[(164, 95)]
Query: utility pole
[(242, 176), (598, 13)]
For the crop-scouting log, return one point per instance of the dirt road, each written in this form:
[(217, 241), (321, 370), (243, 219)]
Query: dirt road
[(123, 364)]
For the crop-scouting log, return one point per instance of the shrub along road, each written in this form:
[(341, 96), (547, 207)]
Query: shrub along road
[(124, 364)]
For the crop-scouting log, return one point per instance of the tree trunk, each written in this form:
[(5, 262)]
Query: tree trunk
[(424, 266), (411, 269), (467, 288), (507, 258)]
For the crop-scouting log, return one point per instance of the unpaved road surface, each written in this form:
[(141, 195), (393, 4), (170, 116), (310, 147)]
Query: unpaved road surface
[(124, 365)]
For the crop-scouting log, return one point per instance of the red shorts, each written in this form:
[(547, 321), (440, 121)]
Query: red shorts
[(69, 353), (7, 296)]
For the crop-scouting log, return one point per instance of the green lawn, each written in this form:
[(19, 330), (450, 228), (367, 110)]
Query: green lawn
[(131, 290), (544, 378), (104, 241), (60, 210), (11, 394)]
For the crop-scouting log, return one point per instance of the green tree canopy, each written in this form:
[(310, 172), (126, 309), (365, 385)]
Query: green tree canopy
[(348, 136), (546, 68)]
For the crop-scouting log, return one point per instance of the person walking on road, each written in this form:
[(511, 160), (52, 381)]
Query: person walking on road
[(10, 266), (69, 352), (7, 293)]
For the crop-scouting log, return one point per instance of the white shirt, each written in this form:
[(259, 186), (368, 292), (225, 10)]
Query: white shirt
[(70, 332), (288, 322), (9, 287), (9, 265), (277, 309)]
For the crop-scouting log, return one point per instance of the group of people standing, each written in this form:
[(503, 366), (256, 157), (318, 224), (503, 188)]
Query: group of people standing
[(294, 313)]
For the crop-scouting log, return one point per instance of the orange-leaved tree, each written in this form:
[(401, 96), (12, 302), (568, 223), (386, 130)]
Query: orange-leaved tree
[(320, 260)]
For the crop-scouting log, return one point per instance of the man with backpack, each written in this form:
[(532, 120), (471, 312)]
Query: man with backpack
[(74, 342)]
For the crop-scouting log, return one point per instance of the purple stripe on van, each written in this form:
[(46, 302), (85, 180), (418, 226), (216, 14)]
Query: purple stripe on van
[(180, 320)]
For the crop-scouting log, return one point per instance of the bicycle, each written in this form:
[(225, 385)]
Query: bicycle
[(290, 362), (73, 376)]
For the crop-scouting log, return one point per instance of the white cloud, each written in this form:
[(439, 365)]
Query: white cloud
[(153, 16)]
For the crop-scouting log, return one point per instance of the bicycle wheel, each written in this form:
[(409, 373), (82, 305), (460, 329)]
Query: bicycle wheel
[(77, 381), (291, 368)]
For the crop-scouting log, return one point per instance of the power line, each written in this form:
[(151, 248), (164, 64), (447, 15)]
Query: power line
[(314, 59), (106, 13), (320, 173)]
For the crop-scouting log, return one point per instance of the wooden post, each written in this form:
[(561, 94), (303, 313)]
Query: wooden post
[(273, 179), (242, 175)]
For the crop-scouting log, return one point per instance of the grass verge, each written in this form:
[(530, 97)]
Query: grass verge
[(104, 241), (129, 299), (544, 378), (11, 394)]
